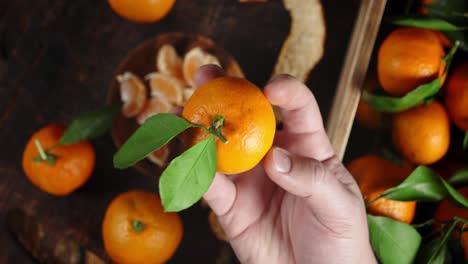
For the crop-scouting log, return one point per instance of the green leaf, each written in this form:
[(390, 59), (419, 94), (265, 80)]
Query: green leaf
[(390, 104), (393, 241), (157, 131), (434, 252), (460, 176), (424, 185), (90, 125), (188, 176), (425, 22), (465, 141), (454, 11)]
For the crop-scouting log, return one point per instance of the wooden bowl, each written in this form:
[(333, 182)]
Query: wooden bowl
[(141, 61)]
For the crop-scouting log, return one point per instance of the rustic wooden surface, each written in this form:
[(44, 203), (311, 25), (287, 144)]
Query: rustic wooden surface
[(56, 60)]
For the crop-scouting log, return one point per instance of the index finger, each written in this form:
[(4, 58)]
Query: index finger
[(206, 73), (304, 131)]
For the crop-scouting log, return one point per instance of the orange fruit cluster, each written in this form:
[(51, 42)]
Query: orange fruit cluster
[(170, 86), (408, 58), (422, 135)]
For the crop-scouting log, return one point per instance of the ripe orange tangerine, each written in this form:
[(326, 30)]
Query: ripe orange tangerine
[(142, 11), (249, 122), (136, 229), (407, 58), (73, 166), (375, 175), (456, 96), (422, 133)]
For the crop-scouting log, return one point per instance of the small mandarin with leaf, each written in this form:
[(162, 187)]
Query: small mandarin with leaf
[(456, 96), (422, 134), (249, 122), (136, 229), (374, 175), (57, 169), (447, 211), (409, 57), (142, 11)]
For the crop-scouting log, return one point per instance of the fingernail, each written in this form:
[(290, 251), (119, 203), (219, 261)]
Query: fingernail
[(281, 160)]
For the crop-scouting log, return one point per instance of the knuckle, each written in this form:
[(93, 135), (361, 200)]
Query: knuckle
[(319, 172)]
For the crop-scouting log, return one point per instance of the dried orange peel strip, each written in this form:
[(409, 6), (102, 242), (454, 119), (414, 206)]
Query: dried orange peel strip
[(304, 46)]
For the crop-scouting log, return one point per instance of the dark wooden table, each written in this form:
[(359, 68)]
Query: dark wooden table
[(56, 61)]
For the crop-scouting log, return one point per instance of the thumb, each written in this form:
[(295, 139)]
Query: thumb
[(221, 194), (299, 175)]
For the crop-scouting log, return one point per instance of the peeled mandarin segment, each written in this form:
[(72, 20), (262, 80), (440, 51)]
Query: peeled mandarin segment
[(166, 87), (193, 60), (132, 94), (210, 59), (160, 156), (152, 107), (169, 63)]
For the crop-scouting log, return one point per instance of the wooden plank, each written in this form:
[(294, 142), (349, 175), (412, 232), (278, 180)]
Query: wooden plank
[(353, 73)]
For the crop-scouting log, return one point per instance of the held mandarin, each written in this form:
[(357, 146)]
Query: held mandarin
[(249, 122)]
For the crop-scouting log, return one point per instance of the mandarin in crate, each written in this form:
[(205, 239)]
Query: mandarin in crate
[(422, 133), (249, 122), (407, 58), (374, 175), (456, 96)]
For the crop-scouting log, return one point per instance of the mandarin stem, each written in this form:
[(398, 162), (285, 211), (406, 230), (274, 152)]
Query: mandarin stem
[(137, 226), (40, 149), (215, 128)]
